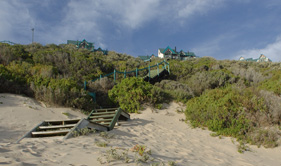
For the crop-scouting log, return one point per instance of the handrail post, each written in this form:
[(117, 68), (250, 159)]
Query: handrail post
[(137, 72), (100, 77), (125, 74), (149, 72), (169, 68), (85, 85), (114, 75), (158, 69)]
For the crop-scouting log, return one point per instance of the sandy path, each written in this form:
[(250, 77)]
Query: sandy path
[(168, 138)]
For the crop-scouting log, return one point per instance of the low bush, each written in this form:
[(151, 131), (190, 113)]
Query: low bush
[(272, 84), (130, 93), (175, 90), (231, 111), (201, 81)]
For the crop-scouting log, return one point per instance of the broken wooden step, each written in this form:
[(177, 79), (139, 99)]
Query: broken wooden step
[(64, 128), (50, 133), (56, 127), (108, 117)]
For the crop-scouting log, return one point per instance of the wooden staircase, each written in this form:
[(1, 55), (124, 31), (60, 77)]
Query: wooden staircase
[(99, 119), (54, 128), (63, 128), (108, 117)]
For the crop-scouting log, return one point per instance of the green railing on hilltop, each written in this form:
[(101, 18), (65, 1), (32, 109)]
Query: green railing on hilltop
[(151, 73), (8, 42)]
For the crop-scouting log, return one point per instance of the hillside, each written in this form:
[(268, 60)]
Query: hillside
[(231, 98)]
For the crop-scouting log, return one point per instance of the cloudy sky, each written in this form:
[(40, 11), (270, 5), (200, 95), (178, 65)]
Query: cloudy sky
[(223, 29)]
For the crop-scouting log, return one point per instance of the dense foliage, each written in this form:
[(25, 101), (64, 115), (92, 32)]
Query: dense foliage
[(55, 74), (232, 98), (130, 93)]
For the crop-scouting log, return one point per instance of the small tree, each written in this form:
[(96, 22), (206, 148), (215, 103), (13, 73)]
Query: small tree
[(131, 93)]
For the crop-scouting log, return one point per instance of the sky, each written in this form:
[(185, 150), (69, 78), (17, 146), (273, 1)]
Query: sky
[(223, 29)]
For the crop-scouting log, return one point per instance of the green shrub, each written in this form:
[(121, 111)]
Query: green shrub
[(175, 90), (272, 84), (229, 111), (130, 93)]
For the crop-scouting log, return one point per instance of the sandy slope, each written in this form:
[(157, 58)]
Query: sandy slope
[(163, 132)]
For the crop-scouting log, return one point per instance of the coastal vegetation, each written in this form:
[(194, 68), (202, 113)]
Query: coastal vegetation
[(232, 98)]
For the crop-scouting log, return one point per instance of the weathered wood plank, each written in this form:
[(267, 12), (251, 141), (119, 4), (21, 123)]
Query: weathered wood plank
[(103, 113), (56, 126), (102, 116), (55, 132), (66, 120), (101, 120), (106, 109)]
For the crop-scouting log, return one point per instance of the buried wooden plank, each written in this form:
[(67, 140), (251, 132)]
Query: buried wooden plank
[(66, 120), (102, 113), (105, 124), (106, 109), (47, 133), (56, 126), (102, 116), (102, 120)]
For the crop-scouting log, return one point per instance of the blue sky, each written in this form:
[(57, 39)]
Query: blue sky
[(223, 29)]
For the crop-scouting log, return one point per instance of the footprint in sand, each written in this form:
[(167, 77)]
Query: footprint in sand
[(29, 150), (4, 160)]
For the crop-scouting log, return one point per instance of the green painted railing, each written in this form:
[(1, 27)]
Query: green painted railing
[(9, 42), (151, 73)]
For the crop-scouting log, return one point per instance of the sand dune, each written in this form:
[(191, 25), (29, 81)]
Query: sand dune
[(162, 131)]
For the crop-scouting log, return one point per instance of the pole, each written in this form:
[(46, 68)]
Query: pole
[(32, 34), (125, 74), (85, 85), (137, 72), (149, 72), (158, 69), (169, 68), (114, 75)]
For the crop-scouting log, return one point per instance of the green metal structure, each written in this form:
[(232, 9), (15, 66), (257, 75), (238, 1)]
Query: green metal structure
[(152, 74), (8, 42)]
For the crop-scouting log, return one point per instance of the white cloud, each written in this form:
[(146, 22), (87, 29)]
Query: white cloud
[(192, 7), (15, 22), (130, 13), (90, 19), (272, 51)]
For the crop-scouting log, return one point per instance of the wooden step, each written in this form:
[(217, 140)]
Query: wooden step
[(105, 124), (102, 120), (102, 123), (48, 133), (62, 122), (67, 120), (56, 126), (102, 113), (107, 109), (102, 116)]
